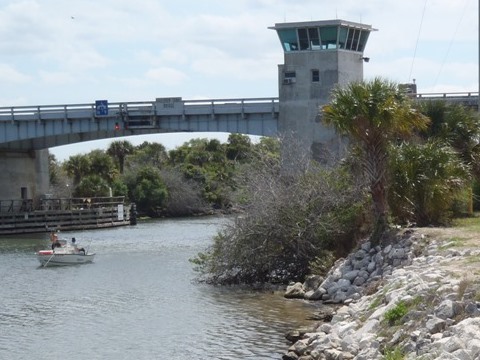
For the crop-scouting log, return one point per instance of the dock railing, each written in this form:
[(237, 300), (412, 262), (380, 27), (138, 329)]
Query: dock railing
[(21, 216)]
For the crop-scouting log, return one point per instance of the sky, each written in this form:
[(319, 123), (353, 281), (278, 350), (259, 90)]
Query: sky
[(77, 51)]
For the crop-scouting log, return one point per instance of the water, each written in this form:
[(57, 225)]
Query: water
[(138, 300)]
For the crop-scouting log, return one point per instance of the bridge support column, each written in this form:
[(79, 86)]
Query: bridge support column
[(23, 174)]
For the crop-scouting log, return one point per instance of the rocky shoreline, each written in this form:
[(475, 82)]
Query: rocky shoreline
[(415, 298)]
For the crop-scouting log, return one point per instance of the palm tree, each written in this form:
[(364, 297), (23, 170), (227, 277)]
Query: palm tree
[(119, 150), (77, 167), (459, 127), (372, 114)]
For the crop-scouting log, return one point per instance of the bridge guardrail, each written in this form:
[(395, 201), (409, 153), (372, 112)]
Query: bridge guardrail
[(447, 95), (115, 108), (39, 112)]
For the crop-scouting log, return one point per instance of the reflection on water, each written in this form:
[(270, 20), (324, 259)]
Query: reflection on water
[(138, 300)]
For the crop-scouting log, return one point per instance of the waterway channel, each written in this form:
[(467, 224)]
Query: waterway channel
[(138, 300)]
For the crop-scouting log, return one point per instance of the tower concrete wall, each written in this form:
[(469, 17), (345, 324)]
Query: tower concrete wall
[(301, 100)]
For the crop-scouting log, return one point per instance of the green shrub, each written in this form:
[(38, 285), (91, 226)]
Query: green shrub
[(427, 182), (394, 354), (396, 314)]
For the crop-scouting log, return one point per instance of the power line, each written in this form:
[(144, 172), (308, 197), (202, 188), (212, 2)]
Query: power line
[(451, 42), (418, 37)]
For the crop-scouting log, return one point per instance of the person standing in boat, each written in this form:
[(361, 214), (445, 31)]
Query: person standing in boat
[(54, 240)]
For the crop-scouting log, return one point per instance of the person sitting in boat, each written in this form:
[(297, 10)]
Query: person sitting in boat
[(54, 240), (77, 249)]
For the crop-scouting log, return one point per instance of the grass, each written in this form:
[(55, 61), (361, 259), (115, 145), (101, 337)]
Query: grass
[(461, 234), (394, 354), (471, 223), (395, 315), (462, 287), (455, 241)]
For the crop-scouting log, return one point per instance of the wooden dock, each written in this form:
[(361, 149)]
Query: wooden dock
[(21, 216)]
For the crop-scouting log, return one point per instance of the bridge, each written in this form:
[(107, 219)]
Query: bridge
[(41, 127), (468, 99), (26, 132)]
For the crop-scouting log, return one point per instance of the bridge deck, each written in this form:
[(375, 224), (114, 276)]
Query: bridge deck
[(37, 127), (44, 126)]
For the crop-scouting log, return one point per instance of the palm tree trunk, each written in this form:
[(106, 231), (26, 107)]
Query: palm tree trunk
[(379, 199)]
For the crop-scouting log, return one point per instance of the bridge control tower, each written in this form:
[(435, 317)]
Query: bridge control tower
[(318, 55)]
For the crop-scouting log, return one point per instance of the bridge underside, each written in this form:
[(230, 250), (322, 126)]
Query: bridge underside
[(65, 133)]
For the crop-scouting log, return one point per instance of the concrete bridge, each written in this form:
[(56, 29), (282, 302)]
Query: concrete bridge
[(26, 132), (27, 128), (468, 99)]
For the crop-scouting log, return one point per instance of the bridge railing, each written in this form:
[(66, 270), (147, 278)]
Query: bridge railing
[(64, 111), (39, 112), (175, 106), (465, 94)]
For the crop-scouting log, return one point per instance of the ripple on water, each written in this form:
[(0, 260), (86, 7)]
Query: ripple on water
[(137, 301)]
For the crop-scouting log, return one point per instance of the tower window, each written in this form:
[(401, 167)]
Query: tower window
[(288, 37), (328, 35), (314, 39), (303, 39), (289, 77), (315, 76)]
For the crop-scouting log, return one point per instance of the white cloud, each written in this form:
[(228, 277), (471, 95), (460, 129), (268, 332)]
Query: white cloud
[(56, 78), (166, 76), (9, 74), (215, 47)]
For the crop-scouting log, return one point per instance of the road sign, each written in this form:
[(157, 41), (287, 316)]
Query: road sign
[(101, 107)]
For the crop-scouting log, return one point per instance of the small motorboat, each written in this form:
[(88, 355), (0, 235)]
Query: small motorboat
[(64, 253)]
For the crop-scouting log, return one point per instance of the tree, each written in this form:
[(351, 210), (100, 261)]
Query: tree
[(148, 191), (119, 150), (77, 166), (184, 195), (205, 162), (238, 147), (92, 186), (372, 114), (427, 179), (151, 154), (458, 127), (102, 165), (53, 169)]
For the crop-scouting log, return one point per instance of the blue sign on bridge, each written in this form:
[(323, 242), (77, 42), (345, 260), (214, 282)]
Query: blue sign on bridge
[(101, 107)]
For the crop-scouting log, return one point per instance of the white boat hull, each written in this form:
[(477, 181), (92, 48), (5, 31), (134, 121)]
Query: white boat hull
[(48, 258)]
